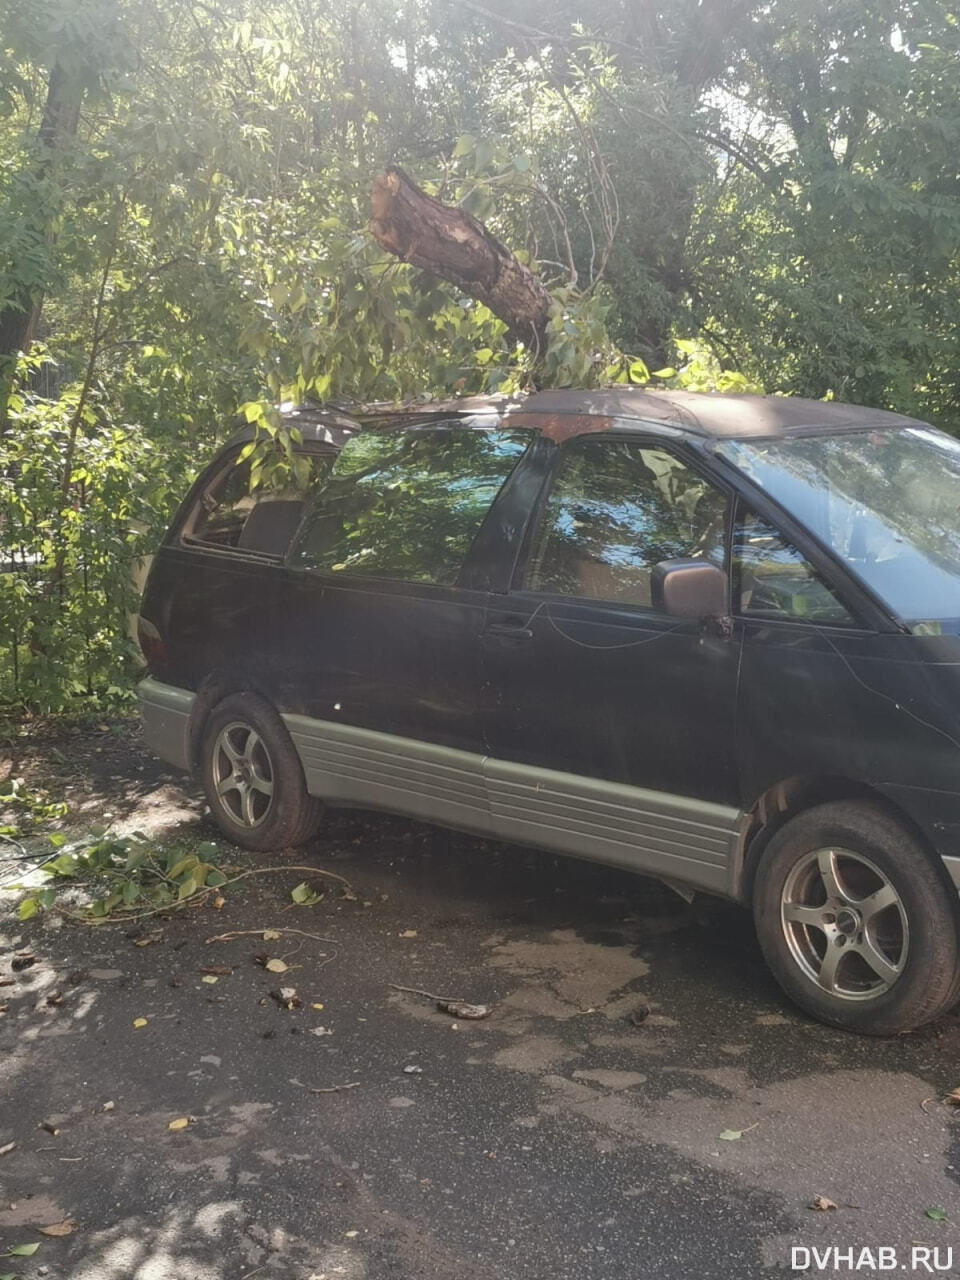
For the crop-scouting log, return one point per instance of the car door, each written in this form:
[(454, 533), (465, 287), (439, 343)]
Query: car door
[(610, 725), (385, 648)]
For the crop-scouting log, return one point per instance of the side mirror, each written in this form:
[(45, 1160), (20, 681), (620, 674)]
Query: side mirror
[(689, 589)]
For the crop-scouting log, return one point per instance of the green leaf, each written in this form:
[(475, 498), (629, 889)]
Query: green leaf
[(215, 879), (638, 371), (304, 895), (664, 373), (187, 889), (936, 1214), (23, 1250), (28, 908), (734, 1135)]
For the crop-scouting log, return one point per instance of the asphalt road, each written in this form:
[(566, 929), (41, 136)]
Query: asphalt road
[(574, 1134)]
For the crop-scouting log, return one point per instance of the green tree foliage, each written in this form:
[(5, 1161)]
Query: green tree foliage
[(726, 193)]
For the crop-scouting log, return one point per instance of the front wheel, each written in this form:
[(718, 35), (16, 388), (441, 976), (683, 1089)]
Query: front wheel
[(856, 922), (252, 776)]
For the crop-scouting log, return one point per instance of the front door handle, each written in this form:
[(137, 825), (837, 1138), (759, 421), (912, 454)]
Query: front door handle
[(509, 631)]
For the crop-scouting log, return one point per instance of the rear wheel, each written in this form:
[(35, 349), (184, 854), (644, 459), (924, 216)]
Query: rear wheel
[(252, 776), (856, 922)]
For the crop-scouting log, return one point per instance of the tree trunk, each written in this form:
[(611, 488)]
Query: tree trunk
[(18, 319), (449, 242)]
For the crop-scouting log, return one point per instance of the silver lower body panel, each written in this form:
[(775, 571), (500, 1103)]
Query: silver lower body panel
[(165, 715)]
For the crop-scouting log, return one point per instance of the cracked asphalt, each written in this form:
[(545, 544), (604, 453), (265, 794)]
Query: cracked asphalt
[(575, 1134)]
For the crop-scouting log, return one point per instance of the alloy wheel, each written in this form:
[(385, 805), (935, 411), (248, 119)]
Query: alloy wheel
[(844, 924), (243, 774)]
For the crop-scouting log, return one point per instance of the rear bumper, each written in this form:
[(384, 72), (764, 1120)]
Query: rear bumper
[(165, 715)]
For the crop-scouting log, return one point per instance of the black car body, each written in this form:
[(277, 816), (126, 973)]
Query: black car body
[(689, 635)]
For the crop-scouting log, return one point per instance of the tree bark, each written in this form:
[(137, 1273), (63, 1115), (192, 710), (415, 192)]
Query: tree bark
[(18, 319), (455, 246)]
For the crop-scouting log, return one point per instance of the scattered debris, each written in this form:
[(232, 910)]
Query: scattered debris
[(139, 1022), (22, 961), (408, 933), (180, 1123), (78, 976), (276, 965), (952, 1099), (108, 1106), (268, 935), (6, 982), (734, 1135), (49, 1127), (286, 997), (469, 1012), (822, 1203), (217, 970), (454, 1005), (148, 939), (413, 1070), (639, 1015), (64, 1228), (316, 1005), (7, 1148), (338, 1088), (54, 998), (209, 978), (321, 1031)]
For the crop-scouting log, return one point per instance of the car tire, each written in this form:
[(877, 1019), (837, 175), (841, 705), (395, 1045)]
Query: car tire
[(857, 922), (253, 778)]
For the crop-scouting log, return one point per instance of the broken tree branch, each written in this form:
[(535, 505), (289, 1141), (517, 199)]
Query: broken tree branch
[(452, 244)]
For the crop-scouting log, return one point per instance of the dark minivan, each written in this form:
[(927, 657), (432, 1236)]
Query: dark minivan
[(712, 639)]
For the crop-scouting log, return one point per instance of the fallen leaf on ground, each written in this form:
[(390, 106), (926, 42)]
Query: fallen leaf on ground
[(316, 1006), (286, 997), (935, 1214), (953, 1098), (64, 1228), (270, 935), (180, 1123), (409, 933), (350, 1234), (23, 1250), (139, 1022), (821, 1202), (734, 1135), (276, 965), (468, 1012), (210, 978)]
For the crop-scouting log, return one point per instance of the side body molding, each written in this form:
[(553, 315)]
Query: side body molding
[(691, 841)]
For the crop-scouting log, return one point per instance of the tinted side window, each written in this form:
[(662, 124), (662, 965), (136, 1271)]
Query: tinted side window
[(773, 580), (616, 509), (228, 515), (407, 505)]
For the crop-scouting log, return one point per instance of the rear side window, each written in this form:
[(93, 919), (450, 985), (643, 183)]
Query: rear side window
[(229, 516), (407, 505), (616, 509)]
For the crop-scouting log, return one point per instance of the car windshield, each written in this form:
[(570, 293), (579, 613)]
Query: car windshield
[(886, 501)]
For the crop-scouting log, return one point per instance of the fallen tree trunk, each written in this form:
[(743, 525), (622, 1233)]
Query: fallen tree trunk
[(453, 245)]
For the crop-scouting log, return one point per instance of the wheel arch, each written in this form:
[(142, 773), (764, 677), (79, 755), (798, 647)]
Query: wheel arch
[(210, 693), (792, 796)]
